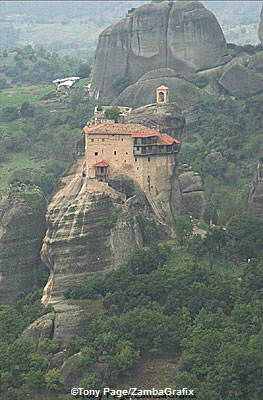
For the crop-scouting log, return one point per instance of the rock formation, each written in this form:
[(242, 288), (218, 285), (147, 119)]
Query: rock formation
[(260, 29), (241, 82), (192, 192), (92, 228), (167, 118), (22, 228), (182, 35), (184, 93)]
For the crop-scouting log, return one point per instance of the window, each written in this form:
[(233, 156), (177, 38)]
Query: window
[(92, 140), (115, 152), (126, 152), (103, 140), (135, 159), (137, 148), (161, 97), (96, 153), (149, 158), (122, 139)]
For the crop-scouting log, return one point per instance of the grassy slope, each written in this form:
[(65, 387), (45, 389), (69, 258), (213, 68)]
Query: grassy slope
[(16, 96)]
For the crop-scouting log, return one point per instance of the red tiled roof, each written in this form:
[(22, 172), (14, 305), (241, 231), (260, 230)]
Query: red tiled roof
[(101, 164), (134, 130), (119, 129), (140, 135), (166, 140)]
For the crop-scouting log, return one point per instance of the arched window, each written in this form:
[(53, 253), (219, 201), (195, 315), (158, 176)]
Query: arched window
[(161, 97)]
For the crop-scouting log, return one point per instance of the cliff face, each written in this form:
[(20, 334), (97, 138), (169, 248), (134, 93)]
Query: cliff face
[(182, 35), (185, 193), (22, 228), (167, 118), (260, 29), (92, 228)]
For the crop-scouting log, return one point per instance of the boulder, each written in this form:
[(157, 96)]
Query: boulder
[(192, 192), (42, 328), (184, 93), (182, 35), (167, 118), (22, 228), (241, 82)]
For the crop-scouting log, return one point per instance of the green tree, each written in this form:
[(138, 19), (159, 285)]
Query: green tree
[(27, 109), (84, 70), (112, 113), (184, 228)]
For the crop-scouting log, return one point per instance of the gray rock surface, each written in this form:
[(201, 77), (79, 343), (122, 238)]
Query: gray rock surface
[(42, 328), (260, 29), (22, 228), (241, 82), (184, 93), (182, 35), (167, 118), (92, 229), (192, 191)]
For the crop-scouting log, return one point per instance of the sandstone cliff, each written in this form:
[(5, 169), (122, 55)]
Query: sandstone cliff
[(22, 228), (260, 29), (182, 35), (92, 228)]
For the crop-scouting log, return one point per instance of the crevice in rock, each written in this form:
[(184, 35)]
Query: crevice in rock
[(166, 34), (193, 191)]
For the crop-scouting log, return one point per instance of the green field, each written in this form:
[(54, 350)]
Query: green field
[(16, 161), (15, 97)]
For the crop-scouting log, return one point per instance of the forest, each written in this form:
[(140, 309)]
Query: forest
[(199, 302)]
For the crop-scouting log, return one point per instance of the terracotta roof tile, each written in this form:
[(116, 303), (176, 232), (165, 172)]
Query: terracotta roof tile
[(101, 164), (134, 130), (119, 129), (166, 140)]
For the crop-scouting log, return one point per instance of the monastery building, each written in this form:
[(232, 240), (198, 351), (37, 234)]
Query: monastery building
[(142, 153)]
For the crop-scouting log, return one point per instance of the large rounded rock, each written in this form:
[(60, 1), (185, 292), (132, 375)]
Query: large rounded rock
[(22, 228), (167, 118), (192, 192), (181, 35), (184, 93), (42, 328), (241, 82)]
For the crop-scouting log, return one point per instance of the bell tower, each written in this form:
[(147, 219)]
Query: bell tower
[(162, 95)]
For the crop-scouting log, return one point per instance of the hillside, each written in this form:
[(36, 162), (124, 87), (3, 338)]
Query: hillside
[(105, 282), (39, 127)]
